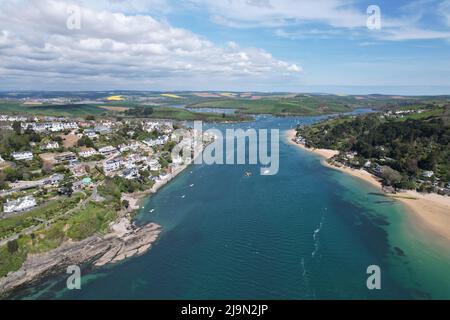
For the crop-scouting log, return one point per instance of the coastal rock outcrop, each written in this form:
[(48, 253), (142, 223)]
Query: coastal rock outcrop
[(123, 242)]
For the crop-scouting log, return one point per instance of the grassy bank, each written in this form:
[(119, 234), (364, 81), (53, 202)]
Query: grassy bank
[(278, 106), (18, 223), (92, 218)]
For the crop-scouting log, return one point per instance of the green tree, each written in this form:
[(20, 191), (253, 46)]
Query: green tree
[(13, 174), (85, 142), (13, 246), (17, 127), (391, 177)]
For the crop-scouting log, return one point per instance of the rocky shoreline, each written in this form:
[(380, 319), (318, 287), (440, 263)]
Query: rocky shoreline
[(125, 241)]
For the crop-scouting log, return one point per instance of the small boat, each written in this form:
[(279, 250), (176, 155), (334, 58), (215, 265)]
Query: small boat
[(191, 185), (153, 210), (248, 173), (183, 196)]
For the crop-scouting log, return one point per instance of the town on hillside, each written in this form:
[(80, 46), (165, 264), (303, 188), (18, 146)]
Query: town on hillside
[(45, 159)]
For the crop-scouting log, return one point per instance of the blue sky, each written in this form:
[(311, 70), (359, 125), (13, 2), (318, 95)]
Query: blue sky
[(239, 45)]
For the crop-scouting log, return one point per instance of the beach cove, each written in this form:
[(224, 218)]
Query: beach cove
[(430, 211)]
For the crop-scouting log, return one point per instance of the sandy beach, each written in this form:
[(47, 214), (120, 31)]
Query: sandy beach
[(431, 211)]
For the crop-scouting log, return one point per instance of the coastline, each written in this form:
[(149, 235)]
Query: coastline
[(430, 211), (123, 241)]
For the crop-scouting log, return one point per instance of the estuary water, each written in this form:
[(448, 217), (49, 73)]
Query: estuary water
[(308, 232)]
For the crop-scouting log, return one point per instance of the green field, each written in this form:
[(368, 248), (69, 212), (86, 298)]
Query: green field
[(186, 115), (424, 115), (304, 104), (278, 106), (51, 110), (79, 110)]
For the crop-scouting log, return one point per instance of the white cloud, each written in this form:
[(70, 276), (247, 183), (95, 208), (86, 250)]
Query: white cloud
[(311, 33), (294, 68), (444, 9), (410, 25), (35, 42), (329, 18), (270, 13), (412, 33)]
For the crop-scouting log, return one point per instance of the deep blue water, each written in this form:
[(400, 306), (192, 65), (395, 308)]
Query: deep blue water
[(308, 232)]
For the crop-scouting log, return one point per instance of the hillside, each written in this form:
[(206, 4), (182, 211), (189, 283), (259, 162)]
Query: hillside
[(409, 151)]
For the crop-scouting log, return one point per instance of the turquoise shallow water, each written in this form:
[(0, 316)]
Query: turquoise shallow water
[(307, 233)]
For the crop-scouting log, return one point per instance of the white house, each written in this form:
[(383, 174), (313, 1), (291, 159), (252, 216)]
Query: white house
[(16, 119), (112, 165), (51, 145), (300, 140), (151, 126), (107, 150), (87, 152), (428, 174), (90, 133), (154, 165), (26, 156), (54, 179), (130, 174), (351, 155), (157, 142), (39, 127), (19, 204), (57, 126), (177, 160), (102, 129), (127, 147), (70, 125), (164, 176), (129, 164), (150, 142), (65, 156)]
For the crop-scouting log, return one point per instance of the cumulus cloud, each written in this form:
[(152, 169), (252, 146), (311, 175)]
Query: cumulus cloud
[(111, 46)]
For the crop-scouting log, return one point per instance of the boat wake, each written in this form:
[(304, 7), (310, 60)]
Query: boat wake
[(316, 237)]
